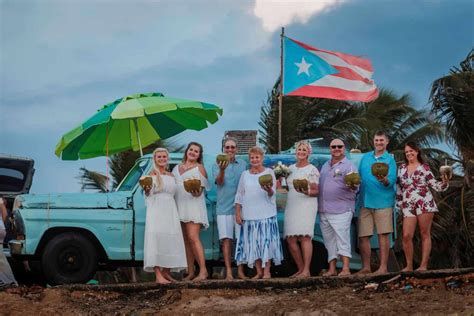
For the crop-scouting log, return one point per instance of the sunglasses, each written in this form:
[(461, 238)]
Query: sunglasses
[(229, 147), (337, 146)]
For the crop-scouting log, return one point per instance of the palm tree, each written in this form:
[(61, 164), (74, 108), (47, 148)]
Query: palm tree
[(355, 122), (452, 98), (453, 105)]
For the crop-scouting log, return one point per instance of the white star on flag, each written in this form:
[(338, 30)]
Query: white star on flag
[(303, 67)]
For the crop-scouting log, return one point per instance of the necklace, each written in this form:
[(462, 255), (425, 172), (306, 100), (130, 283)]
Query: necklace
[(256, 171)]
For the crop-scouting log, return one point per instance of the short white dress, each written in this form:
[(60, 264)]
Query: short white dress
[(301, 210), (164, 244), (190, 208)]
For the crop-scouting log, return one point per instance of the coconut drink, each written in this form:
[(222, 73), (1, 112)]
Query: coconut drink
[(222, 158), (192, 185), (266, 179), (145, 181), (446, 171), (352, 179), (300, 184), (380, 169)]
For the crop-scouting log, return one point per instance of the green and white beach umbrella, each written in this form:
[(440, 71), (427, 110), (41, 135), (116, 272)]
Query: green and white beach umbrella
[(134, 122)]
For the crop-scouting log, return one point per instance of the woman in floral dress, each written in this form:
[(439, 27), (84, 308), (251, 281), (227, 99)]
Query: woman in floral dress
[(416, 202)]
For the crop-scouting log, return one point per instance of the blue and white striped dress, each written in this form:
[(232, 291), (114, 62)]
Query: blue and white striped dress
[(259, 236)]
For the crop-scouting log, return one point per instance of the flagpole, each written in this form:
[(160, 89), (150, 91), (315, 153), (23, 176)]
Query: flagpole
[(280, 97)]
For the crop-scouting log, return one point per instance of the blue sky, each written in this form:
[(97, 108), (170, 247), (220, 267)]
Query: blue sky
[(62, 60)]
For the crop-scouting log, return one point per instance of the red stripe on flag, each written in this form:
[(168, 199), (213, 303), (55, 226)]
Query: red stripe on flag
[(350, 74), (353, 60), (335, 93)]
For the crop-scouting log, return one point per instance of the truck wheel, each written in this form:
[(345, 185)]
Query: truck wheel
[(69, 258), (319, 260)]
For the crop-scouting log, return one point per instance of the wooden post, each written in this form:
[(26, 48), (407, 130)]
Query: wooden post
[(280, 97)]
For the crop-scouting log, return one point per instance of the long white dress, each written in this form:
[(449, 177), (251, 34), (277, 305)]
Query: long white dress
[(190, 208), (164, 244), (6, 274), (301, 209)]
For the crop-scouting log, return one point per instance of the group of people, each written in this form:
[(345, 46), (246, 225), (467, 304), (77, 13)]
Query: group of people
[(247, 212)]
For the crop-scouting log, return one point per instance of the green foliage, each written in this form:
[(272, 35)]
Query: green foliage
[(452, 100), (453, 227)]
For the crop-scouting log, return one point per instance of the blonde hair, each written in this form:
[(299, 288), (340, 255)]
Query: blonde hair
[(306, 144), (159, 180), (256, 150)]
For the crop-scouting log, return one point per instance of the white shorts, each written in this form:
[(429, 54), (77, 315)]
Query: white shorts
[(227, 227)]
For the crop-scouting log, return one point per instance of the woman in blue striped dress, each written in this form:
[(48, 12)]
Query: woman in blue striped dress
[(255, 210)]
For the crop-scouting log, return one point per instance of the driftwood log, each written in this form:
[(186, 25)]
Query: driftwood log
[(275, 283)]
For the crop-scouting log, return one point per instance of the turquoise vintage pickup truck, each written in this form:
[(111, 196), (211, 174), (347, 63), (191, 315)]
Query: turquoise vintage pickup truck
[(75, 234)]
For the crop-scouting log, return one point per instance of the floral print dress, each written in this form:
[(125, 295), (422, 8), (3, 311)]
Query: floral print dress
[(413, 191)]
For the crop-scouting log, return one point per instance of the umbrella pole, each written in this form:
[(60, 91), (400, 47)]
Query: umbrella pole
[(138, 136)]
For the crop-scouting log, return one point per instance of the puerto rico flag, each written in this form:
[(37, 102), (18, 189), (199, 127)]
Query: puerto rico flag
[(317, 73)]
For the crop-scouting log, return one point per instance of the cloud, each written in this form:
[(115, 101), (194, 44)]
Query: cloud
[(279, 13)]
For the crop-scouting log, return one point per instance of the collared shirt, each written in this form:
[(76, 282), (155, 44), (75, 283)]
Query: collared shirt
[(373, 194), (334, 195), (226, 191)]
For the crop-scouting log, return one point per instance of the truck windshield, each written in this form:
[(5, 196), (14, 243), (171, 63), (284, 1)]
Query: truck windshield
[(131, 179)]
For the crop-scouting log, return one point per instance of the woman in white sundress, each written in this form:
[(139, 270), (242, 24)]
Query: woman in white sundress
[(6, 275), (192, 209), (301, 209), (164, 244)]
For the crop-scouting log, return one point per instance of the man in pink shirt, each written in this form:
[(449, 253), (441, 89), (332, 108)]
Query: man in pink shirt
[(336, 207)]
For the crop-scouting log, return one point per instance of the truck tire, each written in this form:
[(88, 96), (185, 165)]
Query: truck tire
[(319, 259), (69, 258)]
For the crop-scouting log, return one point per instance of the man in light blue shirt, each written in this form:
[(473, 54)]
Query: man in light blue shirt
[(226, 176), (377, 198)]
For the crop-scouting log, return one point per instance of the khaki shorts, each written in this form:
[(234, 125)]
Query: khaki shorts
[(381, 217)]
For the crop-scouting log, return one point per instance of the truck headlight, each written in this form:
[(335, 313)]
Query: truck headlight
[(18, 226), (17, 202)]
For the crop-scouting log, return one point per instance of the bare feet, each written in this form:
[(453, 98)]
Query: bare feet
[(421, 269), (257, 276), (380, 271), (330, 273), (168, 277), (363, 271), (242, 276), (228, 274), (267, 276), (189, 277), (162, 280), (344, 273), (295, 275), (200, 277), (303, 275), (407, 269)]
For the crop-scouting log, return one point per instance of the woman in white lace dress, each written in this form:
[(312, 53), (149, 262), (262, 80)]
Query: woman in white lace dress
[(164, 244), (301, 209), (192, 208)]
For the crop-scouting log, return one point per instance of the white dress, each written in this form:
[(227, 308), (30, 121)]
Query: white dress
[(190, 208), (164, 244), (6, 274), (300, 211)]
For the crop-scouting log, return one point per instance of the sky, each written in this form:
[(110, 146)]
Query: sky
[(60, 61)]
